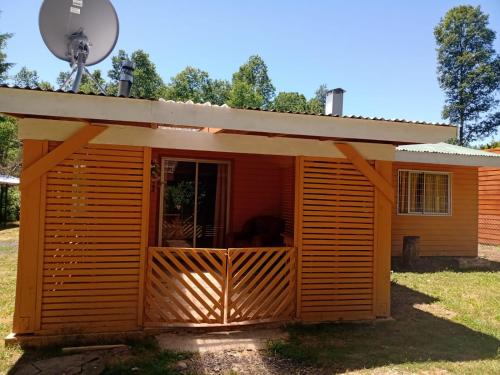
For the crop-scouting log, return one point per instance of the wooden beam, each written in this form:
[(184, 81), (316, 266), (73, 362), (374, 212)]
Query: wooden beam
[(368, 171), (78, 140), (28, 276), (382, 247), (146, 189)]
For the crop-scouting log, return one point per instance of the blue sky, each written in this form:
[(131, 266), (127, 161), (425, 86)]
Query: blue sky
[(382, 52)]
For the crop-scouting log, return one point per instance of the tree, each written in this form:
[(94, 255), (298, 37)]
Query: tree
[(26, 78), (89, 86), (290, 102), (253, 74), (4, 65), (10, 146), (468, 72), (320, 95), (243, 95), (219, 90), (147, 81), (315, 106), (196, 85)]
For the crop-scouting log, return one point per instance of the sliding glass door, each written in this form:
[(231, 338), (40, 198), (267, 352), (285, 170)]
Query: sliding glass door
[(194, 203)]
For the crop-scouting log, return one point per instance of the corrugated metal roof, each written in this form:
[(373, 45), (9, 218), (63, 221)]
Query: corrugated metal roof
[(445, 148), (8, 180), (189, 102)]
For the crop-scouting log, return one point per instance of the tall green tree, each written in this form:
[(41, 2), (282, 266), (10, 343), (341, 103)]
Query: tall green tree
[(26, 78), (468, 72), (10, 146), (243, 95), (290, 102), (147, 81), (252, 75), (320, 94), (196, 85), (4, 65)]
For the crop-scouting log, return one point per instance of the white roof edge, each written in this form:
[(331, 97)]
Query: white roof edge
[(98, 108), (449, 159)]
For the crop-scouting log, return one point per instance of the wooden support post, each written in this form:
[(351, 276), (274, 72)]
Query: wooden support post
[(299, 182), (146, 188), (28, 277), (382, 245)]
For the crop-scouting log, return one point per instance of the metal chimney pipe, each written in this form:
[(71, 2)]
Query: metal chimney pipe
[(334, 103), (126, 78)]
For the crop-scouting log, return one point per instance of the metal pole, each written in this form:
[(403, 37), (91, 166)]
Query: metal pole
[(78, 76)]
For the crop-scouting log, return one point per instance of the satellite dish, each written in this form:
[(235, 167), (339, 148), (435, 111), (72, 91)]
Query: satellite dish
[(82, 32)]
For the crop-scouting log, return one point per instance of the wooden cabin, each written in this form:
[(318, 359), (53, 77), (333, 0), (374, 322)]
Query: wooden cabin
[(142, 214), (489, 204)]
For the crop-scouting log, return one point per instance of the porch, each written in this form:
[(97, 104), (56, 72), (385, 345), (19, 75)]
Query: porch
[(137, 237)]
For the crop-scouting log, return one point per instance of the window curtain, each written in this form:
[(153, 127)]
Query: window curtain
[(403, 192)]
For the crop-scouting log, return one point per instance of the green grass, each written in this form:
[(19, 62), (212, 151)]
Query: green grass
[(8, 265), (443, 321)]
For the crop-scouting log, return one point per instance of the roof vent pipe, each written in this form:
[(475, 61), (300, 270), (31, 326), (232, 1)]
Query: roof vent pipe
[(334, 102), (126, 78)]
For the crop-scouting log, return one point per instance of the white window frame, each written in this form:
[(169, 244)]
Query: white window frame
[(163, 185), (414, 213)]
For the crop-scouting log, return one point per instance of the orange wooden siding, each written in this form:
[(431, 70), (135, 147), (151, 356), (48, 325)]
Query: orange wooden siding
[(92, 240), (453, 235), (489, 204), (260, 185)]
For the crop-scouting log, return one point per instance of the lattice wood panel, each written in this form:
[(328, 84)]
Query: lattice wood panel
[(93, 239), (185, 286), (261, 284), (336, 239)]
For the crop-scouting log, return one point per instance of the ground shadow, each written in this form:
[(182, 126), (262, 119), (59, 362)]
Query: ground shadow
[(439, 264), (414, 336)]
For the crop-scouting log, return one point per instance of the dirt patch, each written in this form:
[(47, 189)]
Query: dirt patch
[(219, 341), (89, 363), (242, 363), (435, 309)]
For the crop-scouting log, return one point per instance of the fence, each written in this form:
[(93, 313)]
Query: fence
[(186, 286)]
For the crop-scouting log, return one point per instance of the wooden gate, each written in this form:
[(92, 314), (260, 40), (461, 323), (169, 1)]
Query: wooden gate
[(186, 286), (261, 284)]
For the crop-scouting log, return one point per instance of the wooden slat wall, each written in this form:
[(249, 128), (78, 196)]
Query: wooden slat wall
[(335, 239), (94, 240), (454, 235), (489, 204)]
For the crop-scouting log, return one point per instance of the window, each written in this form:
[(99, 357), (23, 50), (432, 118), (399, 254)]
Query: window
[(424, 193), (194, 203)]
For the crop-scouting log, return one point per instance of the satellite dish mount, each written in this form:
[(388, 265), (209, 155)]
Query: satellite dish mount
[(81, 34), (78, 51)]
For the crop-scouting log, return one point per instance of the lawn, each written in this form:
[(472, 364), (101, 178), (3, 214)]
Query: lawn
[(444, 320), (8, 264)]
